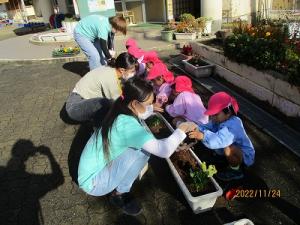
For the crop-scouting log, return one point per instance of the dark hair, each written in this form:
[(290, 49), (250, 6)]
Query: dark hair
[(119, 23), (229, 109), (125, 61), (133, 89)]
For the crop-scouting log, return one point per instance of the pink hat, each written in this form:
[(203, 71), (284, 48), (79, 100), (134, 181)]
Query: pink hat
[(131, 43), (220, 101), (183, 83), (160, 69), (151, 56), (136, 52)]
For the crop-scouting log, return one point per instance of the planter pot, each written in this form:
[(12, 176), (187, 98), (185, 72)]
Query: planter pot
[(185, 36), (199, 71), (207, 28), (69, 26), (167, 35), (200, 203)]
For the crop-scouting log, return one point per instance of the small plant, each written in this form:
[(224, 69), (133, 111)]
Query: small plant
[(201, 176), (184, 27), (155, 124), (187, 17), (171, 26), (187, 50), (65, 51), (197, 61)]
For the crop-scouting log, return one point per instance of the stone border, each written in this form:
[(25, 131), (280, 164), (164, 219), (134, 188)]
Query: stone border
[(260, 84)]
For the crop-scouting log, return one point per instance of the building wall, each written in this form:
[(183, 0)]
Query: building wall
[(136, 8), (155, 10), (237, 9)]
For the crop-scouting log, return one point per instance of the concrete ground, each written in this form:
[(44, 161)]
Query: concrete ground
[(39, 153)]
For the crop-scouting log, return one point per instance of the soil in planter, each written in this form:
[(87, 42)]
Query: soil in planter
[(197, 62), (183, 162)]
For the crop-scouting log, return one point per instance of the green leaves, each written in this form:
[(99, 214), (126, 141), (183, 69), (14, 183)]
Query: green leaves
[(201, 176)]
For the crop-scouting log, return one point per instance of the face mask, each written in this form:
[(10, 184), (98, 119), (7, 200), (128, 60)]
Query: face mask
[(128, 76), (148, 112)]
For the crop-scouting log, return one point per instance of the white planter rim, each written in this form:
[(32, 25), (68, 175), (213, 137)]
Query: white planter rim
[(198, 67)]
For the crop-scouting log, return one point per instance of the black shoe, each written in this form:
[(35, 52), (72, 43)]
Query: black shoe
[(127, 203)]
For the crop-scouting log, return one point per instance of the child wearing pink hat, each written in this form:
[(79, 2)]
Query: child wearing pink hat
[(131, 43), (151, 58), (225, 134), (139, 55), (187, 104), (162, 80)]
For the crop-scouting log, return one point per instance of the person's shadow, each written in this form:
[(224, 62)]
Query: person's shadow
[(20, 190)]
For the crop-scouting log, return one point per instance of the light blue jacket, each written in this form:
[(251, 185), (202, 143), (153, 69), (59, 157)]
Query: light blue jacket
[(231, 131)]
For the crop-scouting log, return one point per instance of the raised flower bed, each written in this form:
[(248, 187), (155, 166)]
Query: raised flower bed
[(184, 165), (65, 52)]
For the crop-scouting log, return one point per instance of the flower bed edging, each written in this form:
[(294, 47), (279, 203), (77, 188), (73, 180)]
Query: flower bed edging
[(260, 84)]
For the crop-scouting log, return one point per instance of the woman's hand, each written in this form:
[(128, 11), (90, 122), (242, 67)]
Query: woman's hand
[(196, 134), (187, 126), (112, 53)]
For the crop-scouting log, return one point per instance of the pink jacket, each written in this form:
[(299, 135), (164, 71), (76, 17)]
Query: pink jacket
[(189, 106)]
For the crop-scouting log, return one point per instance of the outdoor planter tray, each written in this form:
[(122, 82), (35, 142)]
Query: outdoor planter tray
[(199, 203), (199, 71)]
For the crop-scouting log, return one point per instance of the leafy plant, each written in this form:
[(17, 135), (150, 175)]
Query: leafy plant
[(184, 27), (200, 176), (169, 26), (187, 17), (197, 61)]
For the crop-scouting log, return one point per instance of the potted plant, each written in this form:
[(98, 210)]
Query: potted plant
[(69, 24), (198, 67), (185, 29), (185, 167), (199, 26), (168, 31), (65, 51)]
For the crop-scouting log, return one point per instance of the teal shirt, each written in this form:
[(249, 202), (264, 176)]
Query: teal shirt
[(126, 133), (94, 26)]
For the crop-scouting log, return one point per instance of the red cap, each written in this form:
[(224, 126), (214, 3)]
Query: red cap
[(220, 101), (183, 83), (151, 56), (135, 52), (160, 69), (131, 43)]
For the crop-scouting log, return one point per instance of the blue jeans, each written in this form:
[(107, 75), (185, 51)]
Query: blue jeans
[(82, 110), (120, 173), (92, 50)]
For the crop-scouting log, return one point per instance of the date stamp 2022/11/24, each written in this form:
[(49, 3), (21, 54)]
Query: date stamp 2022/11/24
[(253, 193)]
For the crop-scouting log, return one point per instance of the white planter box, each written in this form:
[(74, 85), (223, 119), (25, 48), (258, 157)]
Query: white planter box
[(207, 28), (185, 36), (200, 203), (199, 71)]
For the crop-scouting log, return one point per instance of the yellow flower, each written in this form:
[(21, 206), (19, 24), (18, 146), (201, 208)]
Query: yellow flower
[(268, 34), (252, 34)]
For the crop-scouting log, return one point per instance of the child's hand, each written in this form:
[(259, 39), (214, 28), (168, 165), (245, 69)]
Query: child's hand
[(187, 126), (158, 107), (196, 135), (112, 53)]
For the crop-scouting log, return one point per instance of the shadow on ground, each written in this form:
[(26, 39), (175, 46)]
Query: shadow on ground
[(20, 190), (81, 138), (80, 68)]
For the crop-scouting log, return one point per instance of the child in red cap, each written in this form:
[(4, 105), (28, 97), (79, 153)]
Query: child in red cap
[(151, 58), (187, 104), (162, 80), (225, 134), (131, 43)]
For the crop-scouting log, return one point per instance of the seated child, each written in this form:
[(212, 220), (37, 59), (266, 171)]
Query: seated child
[(162, 80), (187, 104), (131, 43), (225, 134), (138, 53), (151, 58)]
